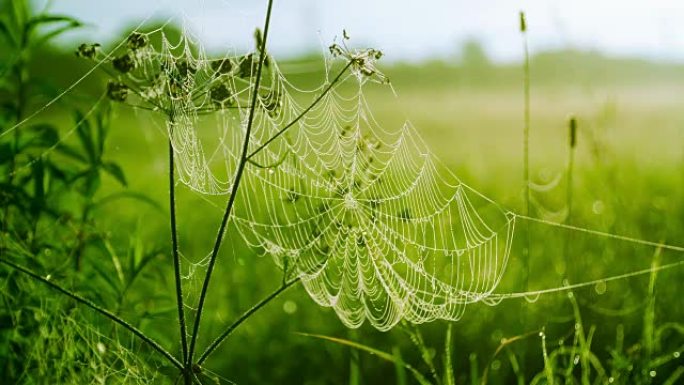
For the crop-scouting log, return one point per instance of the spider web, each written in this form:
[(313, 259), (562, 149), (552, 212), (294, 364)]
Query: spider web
[(369, 219)]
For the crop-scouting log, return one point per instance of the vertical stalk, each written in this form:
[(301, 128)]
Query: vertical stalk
[(572, 142), (526, 179), (19, 70), (174, 247), (233, 191), (526, 151)]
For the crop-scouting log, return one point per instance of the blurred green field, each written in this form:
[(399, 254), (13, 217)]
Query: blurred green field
[(628, 180)]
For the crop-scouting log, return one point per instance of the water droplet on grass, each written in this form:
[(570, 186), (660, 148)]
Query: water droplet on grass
[(600, 287)]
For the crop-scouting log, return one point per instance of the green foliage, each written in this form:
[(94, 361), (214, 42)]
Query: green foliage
[(50, 185)]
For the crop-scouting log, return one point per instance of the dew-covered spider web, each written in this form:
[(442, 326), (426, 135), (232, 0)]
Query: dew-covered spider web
[(369, 219), (373, 224)]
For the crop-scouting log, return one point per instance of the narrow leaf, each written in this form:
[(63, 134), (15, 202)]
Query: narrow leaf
[(41, 135), (379, 353), (116, 171), (84, 135)]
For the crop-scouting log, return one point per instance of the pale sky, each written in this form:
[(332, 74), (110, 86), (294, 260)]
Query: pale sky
[(409, 29)]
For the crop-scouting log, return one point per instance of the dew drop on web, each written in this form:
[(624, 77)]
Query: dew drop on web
[(532, 297), (600, 287)]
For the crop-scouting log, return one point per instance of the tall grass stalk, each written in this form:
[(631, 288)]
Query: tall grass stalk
[(526, 151), (449, 378), (234, 189), (176, 257), (649, 314), (572, 144)]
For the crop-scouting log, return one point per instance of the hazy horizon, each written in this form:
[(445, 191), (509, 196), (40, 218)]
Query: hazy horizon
[(417, 31)]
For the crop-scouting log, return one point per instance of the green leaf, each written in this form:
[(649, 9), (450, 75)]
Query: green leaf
[(84, 132), (41, 135), (68, 23), (379, 353), (92, 182), (6, 153), (102, 120), (54, 33), (208, 378), (39, 20), (130, 195), (38, 173), (6, 31), (56, 171), (115, 170), (71, 152), (107, 277), (21, 12)]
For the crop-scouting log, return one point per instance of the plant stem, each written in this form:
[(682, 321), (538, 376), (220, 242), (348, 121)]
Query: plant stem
[(234, 188), (526, 252), (137, 332), (19, 70), (176, 258), (243, 318), (526, 151), (572, 131), (303, 113)]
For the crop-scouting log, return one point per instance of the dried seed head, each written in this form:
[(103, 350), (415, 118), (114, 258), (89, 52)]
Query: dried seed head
[(137, 40), (175, 87), (405, 215), (124, 63), (523, 22), (248, 66), (292, 196), (88, 51), (185, 68), (336, 50), (222, 66), (572, 125), (258, 39), (117, 91), (220, 93)]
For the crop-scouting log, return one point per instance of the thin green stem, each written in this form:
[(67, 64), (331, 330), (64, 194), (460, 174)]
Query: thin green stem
[(176, 258), (137, 332), (234, 189), (526, 150), (303, 113), (217, 342), (572, 142)]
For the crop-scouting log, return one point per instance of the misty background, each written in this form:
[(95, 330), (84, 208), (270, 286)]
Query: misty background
[(407, 30)]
